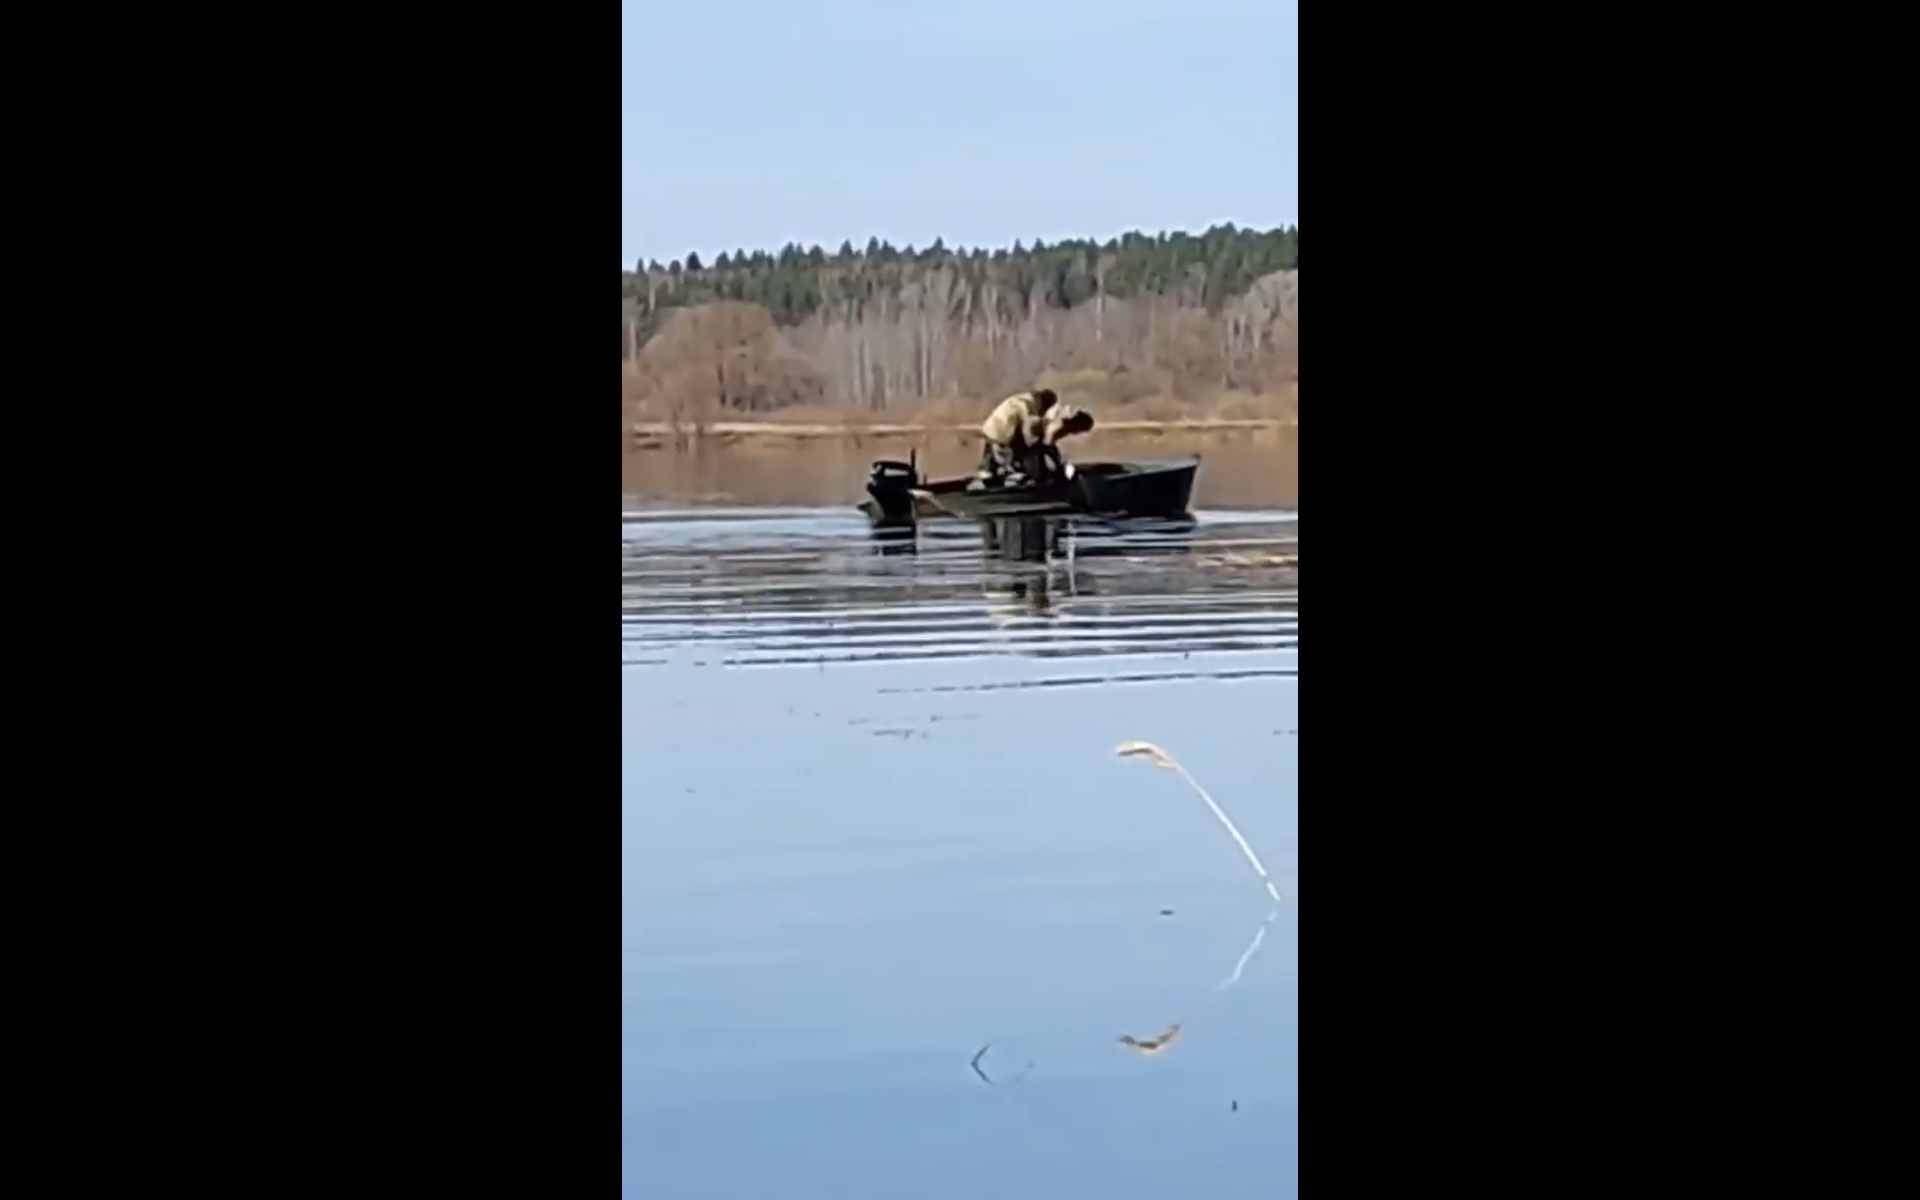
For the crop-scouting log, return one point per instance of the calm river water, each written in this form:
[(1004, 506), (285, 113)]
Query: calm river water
[(873, 822)]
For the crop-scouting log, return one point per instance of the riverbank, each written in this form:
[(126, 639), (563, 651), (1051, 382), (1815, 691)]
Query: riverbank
[(660, 432)]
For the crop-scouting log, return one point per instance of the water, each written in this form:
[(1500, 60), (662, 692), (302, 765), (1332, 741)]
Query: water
[(1243, 469), (872, 820)]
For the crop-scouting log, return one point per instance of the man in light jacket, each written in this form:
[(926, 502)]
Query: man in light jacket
[(1011, 431)]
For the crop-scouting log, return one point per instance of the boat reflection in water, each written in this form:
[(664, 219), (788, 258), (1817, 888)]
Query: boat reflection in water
[(1009, 539), (1045, 539), (1012, 598), (890, 542), (1026, 563), (1024, 539), (755, 588)]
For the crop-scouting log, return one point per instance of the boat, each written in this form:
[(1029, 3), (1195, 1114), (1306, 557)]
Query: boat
[(898, 498)]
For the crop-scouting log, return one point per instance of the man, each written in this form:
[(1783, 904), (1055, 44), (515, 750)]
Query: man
[(1011, 431), (1062, 421)]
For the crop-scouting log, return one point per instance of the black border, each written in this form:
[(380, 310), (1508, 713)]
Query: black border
[(426, 929), (1466, 494)]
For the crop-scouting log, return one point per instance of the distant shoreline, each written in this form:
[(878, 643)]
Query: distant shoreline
[(1251, 463), (794, 430)]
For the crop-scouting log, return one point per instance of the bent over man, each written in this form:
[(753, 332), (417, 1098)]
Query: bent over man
[(1012, 430)]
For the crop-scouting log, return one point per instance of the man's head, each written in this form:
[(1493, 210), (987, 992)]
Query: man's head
[(1065, 420), (1044, 399)]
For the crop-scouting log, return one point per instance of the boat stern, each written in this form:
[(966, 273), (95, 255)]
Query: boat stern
[(891, 487)]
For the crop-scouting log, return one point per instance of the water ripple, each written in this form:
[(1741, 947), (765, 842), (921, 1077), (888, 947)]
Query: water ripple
[(837, 886), (804, 588)]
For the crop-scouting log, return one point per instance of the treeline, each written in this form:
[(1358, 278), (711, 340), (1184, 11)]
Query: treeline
[(1171, 314), (793, 284)]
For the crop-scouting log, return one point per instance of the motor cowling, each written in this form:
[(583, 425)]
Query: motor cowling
[(888, 475)]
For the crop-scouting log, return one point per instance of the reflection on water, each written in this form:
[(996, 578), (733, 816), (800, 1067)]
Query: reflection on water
[(743, 590), (839, 885)]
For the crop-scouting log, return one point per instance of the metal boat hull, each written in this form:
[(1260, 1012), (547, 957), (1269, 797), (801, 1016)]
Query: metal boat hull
[(896, 498)]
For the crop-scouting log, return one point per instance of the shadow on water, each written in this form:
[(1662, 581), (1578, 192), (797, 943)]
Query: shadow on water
[(884, 924)]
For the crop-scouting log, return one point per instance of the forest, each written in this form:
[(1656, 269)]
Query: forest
[(1167, 323)]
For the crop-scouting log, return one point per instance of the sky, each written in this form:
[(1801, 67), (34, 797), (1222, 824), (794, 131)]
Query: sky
[(746, 124)]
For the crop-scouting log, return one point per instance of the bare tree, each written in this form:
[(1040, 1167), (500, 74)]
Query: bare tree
[(885, 337)]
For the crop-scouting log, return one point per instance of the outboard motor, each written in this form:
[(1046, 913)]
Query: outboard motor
[(891, 485), (887, 475)]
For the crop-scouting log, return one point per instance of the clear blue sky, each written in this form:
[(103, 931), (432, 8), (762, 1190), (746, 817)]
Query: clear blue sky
[(750, 123)]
